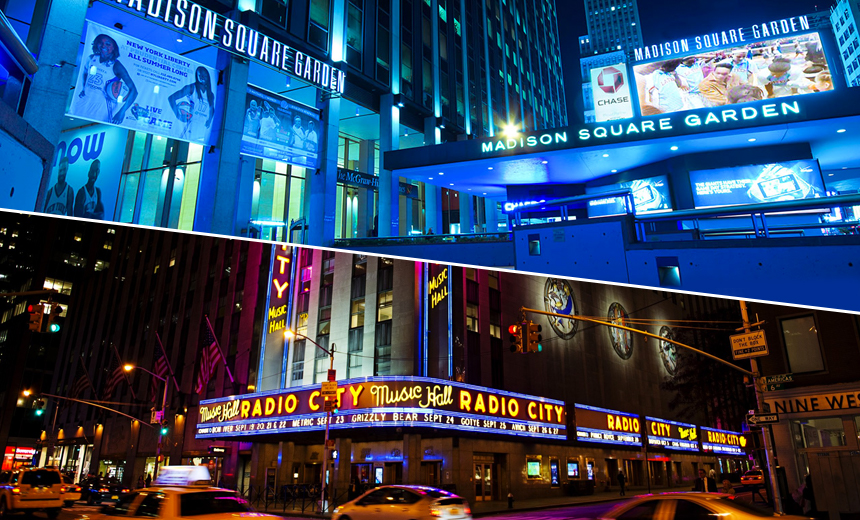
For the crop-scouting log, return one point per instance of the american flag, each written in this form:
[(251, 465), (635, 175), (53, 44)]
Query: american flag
[(80, 386), (159, 369), (115, 375), (209, 357)]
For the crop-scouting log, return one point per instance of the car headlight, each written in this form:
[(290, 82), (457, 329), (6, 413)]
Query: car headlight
[(338, 509)]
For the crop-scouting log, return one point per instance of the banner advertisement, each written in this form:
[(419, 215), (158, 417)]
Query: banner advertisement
[(385, 401), (86, 172), (764, 69), (722, 441), (611, 93), (650, 195), (671, 435), (279, 129), (758, 183), (131, 83)]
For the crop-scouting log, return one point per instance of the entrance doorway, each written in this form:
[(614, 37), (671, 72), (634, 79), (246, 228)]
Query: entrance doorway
[(484, 481), (431, 473)]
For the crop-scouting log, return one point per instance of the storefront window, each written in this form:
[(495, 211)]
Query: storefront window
[(278, 198), (533, 467), (819, 433)]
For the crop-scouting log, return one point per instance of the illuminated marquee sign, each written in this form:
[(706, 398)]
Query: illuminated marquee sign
[(437, 288), (671, 435), (240, 39), (723, 38), (701, 120), (510, 207), (722, 441), (277, 313), (607, 426), (385, 402)]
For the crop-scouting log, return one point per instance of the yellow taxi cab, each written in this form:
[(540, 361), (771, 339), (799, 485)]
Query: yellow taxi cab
[(182, 492), (73, 491), (28, 489)]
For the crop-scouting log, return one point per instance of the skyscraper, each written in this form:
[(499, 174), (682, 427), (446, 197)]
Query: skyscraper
[(844, 17)]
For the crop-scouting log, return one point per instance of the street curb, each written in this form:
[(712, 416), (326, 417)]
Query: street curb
[(548, 506)]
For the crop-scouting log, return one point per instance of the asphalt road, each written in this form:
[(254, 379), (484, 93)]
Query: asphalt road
[(560, 513)]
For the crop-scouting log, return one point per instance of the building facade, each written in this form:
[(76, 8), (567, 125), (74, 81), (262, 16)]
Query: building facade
[(418, 350), (843, 18), (265, 140)]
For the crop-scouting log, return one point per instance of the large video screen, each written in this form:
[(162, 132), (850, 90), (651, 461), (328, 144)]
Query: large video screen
[(753, 184), (775, 68), (280, 129), (650, 195)]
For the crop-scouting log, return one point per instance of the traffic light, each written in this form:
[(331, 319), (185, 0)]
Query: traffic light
[(36, 312), (516, 331), (534, 337), (56, 310), (39, 405), (164, 428)]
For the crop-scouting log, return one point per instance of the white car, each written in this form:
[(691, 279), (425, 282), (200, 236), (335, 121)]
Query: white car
[(182, 492), (405, 503), (688, 506)]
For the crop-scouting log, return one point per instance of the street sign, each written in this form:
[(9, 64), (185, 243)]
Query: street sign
[(329, 406), (156, 416), (778, 379), (760, 419), (329, 389), (773, 387), (745, 346)]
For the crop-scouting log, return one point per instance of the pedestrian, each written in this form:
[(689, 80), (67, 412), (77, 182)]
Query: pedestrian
[(712, 474), (621, 481), (139, 481), (510, 500), (728, 488), (148, 479), (704, 483), (809, 497)]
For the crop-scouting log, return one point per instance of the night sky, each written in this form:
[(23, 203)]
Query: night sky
[(664, 20)]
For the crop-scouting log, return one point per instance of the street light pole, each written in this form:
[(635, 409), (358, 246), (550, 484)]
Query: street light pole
[(166, 380), (330, 352), (765, 429)]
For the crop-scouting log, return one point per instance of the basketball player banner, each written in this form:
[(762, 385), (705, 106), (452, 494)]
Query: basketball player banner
[(280, 129), (133, 84)]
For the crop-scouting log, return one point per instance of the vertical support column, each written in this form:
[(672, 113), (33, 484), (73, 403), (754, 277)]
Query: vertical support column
[(230, 469), (323, 182), (432, 193), (342, 470), (491, 216), (412, 457), (389, 184), (467, 213), (366, 162), (225, 183), (130, 453)]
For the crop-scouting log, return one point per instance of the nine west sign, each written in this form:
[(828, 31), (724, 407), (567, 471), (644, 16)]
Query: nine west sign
[(243, 40)]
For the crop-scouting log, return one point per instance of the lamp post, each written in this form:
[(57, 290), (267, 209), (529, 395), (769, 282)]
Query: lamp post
[(330, 351), (129, 368)]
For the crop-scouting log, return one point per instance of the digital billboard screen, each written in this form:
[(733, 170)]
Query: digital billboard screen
[(765, 69), (650, 195), (280, 129), (671, 435), (757, 183), (607, 426)]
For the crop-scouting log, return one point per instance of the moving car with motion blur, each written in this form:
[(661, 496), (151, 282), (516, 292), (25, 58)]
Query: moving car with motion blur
[(182, 492), (28, 489), (405, 503), (688, 506), (753, 477), (96, 490), (73, 491)]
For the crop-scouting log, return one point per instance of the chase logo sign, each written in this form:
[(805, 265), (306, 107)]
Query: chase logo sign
[(610, 80)]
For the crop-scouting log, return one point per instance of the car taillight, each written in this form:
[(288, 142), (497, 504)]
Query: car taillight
[(62, 489), (16, 491), (103, 490), (434, 511), (468, 510), (125, 490), (78, 489)]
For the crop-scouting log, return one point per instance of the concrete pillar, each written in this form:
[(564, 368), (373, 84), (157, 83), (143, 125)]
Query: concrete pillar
[(467, 213), (366, 161), (130, 454), (342, 467), (286, 457), (491, 216), (226, 180), (230, 468), (432, 193), (323, 183), (389, 184), (412, 457)]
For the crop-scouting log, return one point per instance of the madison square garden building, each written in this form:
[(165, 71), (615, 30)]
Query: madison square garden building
[(429, 391), (242, 117)]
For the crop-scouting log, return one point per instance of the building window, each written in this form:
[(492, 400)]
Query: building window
[(819, 433), (385, 305), (319, 23), (472, 317), (321, 360), (802, 345), (354, 353), (354, 28), (356, 315), (298, 362), (493, 279), (382, 350)]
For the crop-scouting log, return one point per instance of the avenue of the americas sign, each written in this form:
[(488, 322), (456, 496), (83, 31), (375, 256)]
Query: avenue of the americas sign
[(386, 401), (237, 38)]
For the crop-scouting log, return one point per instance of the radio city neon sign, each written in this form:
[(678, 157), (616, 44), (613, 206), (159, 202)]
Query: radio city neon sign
[(277, 314), (437, 288), (712, 118), (723, 38), (242, 40)]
